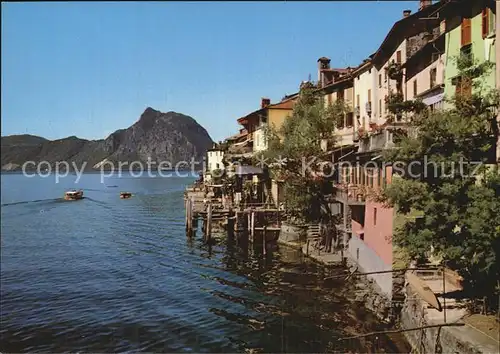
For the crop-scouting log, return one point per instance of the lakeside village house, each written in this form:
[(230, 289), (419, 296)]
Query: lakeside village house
[(423, 46)]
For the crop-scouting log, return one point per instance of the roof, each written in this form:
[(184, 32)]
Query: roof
[(236, 136), (410, 25), (363, 66), (283, 105), (287, 103), (345, 79), (248, 170)]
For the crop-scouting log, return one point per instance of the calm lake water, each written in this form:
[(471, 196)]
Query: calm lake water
[(109, 275)]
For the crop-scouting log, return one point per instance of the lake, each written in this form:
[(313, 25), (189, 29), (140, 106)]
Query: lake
[(105, 274)]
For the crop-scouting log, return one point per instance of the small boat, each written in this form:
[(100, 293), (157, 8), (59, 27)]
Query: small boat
[(73, 195), (125, 195), (424, 291)]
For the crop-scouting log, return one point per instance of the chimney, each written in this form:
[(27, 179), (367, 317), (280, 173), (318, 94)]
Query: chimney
[(406, 13), (264, 102), (424, 4), (323, 63)]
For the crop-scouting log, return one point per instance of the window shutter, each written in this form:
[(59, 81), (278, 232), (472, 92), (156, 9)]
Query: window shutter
[(466, 31), (485, 23)]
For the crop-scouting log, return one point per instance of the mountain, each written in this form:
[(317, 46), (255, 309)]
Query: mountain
[(170, 136)]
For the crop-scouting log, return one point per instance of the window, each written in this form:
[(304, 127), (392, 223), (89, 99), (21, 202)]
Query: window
[(374, 216), (357, 100), (380, 107), (217, 166), (369, 95), (385, 75), (433, 75), (340, 95), (398, 57), (466, 31), (379, 80), (349, 119), (385, 105), (415, 88), (329, 98)]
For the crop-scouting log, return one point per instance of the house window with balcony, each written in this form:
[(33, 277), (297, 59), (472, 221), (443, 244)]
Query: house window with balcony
[(433, 76), (466, 32)]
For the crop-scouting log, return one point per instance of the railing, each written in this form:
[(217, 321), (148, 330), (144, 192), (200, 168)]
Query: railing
[(378, 141), (350, 194)]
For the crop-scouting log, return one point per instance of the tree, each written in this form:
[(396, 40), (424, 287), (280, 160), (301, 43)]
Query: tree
[(296, 154), (459, 204)]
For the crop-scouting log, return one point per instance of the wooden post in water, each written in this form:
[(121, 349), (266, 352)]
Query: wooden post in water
[(252, 225), (264, 240), (230, 223), (189, 217), (186, 212), (209, 222)]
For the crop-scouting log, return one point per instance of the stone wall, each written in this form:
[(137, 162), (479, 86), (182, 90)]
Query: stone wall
[(369, 261)]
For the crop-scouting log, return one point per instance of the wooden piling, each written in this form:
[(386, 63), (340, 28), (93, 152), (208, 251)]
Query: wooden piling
[(209, 222), (264, 243), (252, 225), (230, 223)]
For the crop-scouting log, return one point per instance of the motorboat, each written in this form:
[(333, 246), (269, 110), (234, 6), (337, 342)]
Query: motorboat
[(125, 195), (73, 195)]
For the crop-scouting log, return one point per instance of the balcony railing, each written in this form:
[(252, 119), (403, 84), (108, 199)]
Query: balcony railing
[(350, 194), (378, 141)]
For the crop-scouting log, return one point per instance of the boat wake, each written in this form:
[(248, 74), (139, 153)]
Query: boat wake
[(44, 201)]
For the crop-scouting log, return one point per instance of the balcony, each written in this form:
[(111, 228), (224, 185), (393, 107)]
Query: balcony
[(350, 194), (378, 141)]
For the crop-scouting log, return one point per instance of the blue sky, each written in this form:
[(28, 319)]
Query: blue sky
[(89, 68)]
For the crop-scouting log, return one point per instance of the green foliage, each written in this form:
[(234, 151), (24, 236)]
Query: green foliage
[(394, 70), (298, 146), (459, 204), (397, 105)]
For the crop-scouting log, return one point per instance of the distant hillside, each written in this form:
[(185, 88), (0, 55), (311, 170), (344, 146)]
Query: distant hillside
[(161, 136), (22, 140)]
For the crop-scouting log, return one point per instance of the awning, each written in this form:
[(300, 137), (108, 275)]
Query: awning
[(429, 101), (248, 170)]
